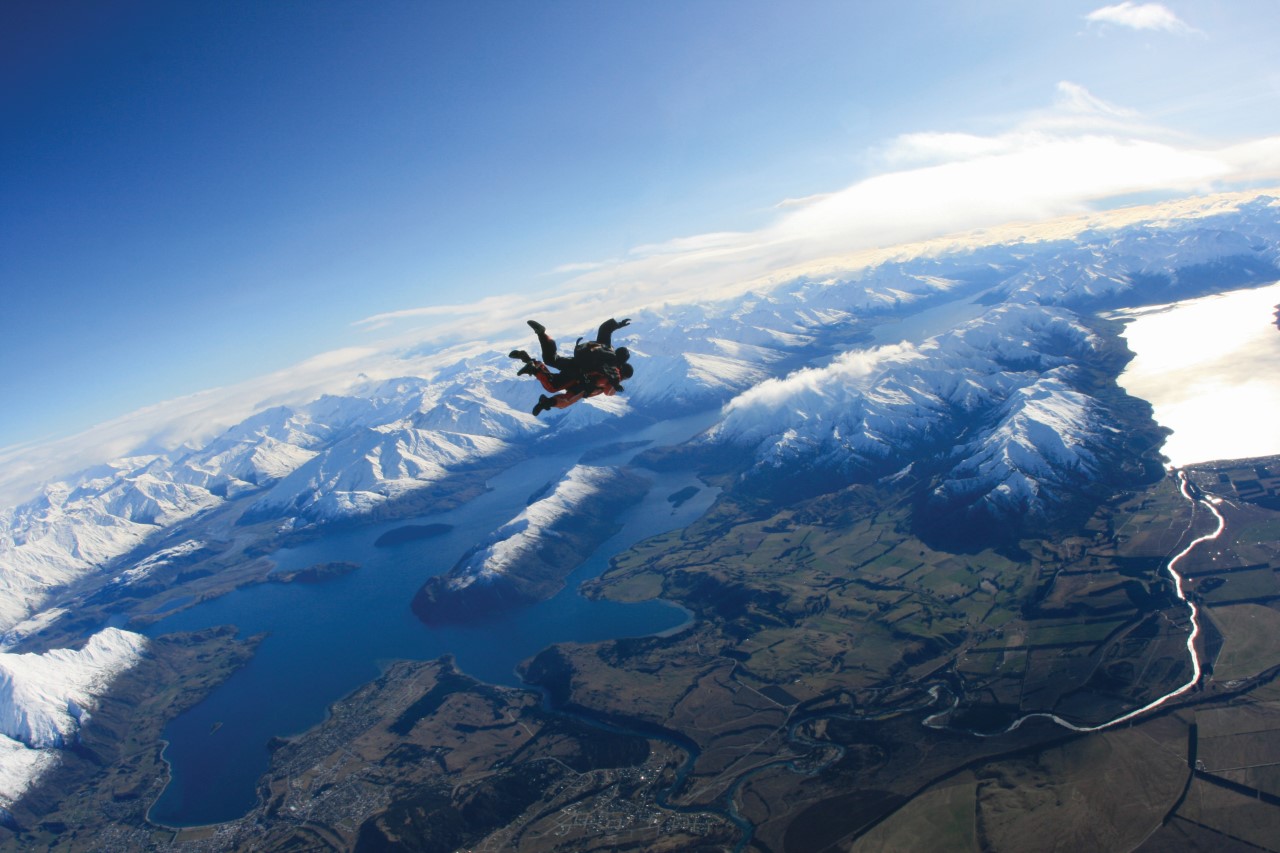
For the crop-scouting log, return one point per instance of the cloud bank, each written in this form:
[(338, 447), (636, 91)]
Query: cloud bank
[(1070, 158)]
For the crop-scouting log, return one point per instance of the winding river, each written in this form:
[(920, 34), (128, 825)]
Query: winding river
[(1196, 670)]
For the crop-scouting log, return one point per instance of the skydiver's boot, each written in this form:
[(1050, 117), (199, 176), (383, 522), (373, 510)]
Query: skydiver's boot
[(538, 328), (544, 403), (530, 366)]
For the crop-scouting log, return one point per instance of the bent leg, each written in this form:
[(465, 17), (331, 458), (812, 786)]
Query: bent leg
[(545, 341), (551, 381), (559, 401), (563, 401), (548, 348)]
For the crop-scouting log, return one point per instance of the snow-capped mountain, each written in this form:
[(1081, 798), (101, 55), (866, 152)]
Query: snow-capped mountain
[(1002, 412), (875, 407), (368, 467), (1046, 436), (1157, 261), (46, 698), (143, 569), (77, 527)]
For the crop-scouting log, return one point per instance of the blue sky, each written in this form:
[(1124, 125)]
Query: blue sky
[(195, 194)]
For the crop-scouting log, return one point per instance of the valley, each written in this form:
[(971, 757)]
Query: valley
[(823, 700)]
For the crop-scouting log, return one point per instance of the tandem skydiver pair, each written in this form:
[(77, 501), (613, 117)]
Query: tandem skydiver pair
[(594, 368)]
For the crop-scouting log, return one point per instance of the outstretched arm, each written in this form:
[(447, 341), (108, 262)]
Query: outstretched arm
[(607, 328)]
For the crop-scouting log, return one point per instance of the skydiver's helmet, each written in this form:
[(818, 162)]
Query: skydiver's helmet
[(622, 354), (626, 371)]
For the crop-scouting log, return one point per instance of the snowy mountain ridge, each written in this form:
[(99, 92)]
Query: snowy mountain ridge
[(46, 698), (1046, 434), (527, 530), (893, 402)]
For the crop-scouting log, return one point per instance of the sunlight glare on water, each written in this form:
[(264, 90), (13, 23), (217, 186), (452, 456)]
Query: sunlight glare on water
[(1209, 368)]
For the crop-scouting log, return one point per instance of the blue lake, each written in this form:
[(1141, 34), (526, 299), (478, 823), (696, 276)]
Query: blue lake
[(326, 639)]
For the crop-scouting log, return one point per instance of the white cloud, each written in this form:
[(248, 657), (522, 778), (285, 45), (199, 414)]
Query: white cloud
[(378, 321), (913, 149), (803, 201), (1078, 100), (1139, 16), (1253, 161), (698, 243), (851, 371), (584, 266), (1067, 158), (1023, 176), (1075, 112)]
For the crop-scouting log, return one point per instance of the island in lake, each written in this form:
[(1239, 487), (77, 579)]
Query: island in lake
[(678, 498), (411, 533), (314, 574)]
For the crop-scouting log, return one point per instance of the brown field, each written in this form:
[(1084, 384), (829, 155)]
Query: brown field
[(1234, 815), (1105, 792), (1239, 751), (1252, 640), (941, 818), (1099, 793), (1265, 778)]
